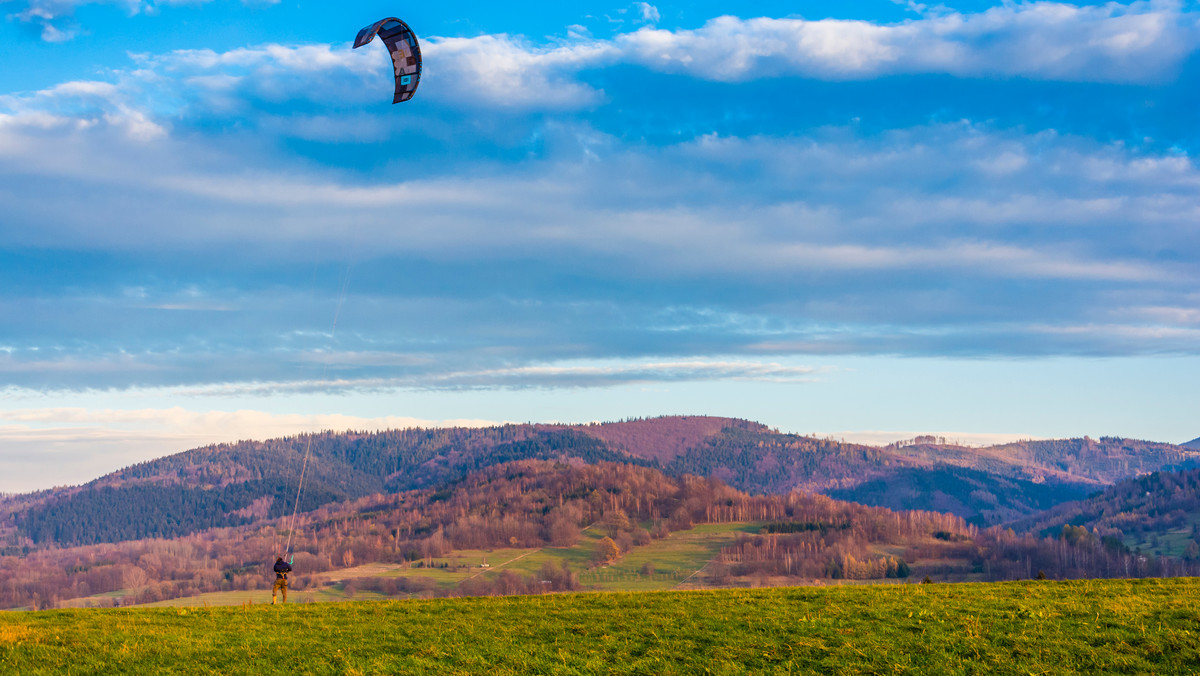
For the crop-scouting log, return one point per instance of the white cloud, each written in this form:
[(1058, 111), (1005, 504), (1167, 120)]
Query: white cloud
[(502, 72), (496, 71), (1139, 42), (79, 105), (433, 375), (649, 13), (1143, 41), (592, 375)]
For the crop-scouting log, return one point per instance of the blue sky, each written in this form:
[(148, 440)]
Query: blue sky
[(866, 220)]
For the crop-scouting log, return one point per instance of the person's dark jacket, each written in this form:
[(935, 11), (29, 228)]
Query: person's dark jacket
[(282, 568)]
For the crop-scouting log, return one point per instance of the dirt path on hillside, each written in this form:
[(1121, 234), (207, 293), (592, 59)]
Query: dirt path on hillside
[(500, 565)]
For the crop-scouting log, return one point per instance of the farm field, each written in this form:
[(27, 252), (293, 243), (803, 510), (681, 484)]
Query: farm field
[(1111, 626)]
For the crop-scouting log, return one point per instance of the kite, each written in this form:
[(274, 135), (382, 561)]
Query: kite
[(401, 42)]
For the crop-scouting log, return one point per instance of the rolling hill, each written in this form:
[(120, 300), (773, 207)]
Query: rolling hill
[(235, 484)]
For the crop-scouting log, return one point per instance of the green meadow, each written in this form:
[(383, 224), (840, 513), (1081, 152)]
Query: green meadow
[(1084, 627), (671, 563)]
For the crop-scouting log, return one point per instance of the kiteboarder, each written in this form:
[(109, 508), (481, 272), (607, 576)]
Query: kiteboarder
[(282, 568)]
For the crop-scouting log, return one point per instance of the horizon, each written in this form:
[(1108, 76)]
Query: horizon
[(974, 220), (876, 438)]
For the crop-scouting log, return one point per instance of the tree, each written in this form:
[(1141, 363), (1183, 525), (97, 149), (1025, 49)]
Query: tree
[(563, 531), (607, 550), (616, 522)]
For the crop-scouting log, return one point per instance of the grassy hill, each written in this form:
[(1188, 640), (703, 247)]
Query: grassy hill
[(1089, 627)]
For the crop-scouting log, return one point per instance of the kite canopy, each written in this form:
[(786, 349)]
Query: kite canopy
[(406, 53)]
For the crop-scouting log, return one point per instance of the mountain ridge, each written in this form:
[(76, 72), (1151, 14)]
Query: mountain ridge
[(232, 484)]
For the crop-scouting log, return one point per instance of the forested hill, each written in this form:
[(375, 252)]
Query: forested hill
[(1194, 443), (665, 439), (985, 485), (1081, 460), (1158, 513), (235, 484)]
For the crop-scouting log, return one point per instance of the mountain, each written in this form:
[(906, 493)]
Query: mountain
[(236, 484), (1194, 443)]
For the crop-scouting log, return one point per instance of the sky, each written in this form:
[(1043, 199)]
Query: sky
[(865, 220)]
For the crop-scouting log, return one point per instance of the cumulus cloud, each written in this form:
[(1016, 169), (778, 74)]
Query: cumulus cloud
[(502, 72), (493, 71), (1119, 43), (1140, 42), (1144, 42), (1133, 43)]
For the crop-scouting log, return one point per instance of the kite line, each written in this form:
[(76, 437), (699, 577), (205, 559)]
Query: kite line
[(308, 445)]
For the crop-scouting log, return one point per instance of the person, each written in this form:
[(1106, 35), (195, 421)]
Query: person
[(282, 568)]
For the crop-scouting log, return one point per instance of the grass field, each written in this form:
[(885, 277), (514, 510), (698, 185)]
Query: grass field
[(1087, 627), (674, 560)]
